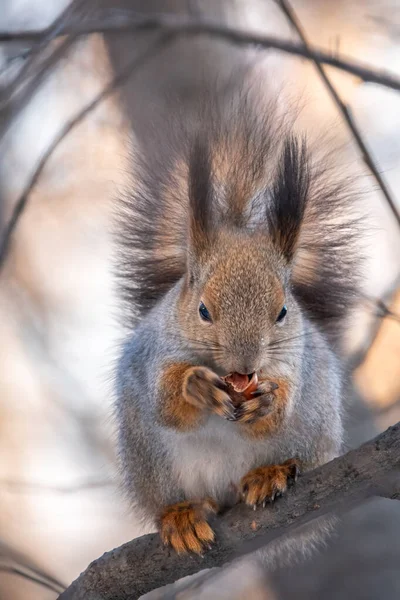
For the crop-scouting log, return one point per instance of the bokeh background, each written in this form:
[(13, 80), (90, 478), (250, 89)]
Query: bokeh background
[(60, 321)]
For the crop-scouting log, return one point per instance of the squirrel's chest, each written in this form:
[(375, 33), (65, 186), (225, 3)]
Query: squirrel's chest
[(212, 461)]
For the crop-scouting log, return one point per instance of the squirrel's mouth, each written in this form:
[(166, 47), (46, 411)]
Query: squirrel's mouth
[(240, 382)]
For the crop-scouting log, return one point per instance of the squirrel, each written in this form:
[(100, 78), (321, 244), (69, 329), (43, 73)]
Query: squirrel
[(239, 260)]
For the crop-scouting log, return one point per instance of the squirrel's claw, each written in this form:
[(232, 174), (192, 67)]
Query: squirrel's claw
[(265, 484), (184, 526), (259, 405), (204, 389), (266, 387), (254, 409), (294, 471)]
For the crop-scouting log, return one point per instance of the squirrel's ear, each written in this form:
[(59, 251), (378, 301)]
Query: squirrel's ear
[(288, 200), (200, 204)]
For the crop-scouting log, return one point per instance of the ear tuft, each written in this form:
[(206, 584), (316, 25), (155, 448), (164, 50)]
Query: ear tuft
[(200, 200), (289, 196)]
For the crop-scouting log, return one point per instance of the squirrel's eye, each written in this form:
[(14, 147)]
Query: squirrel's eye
[(204, 314), (282, 314)]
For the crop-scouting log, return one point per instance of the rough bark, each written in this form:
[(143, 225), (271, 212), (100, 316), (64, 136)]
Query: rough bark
[(144, 564)]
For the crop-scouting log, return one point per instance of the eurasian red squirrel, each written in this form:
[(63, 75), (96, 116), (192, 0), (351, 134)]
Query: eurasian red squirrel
[(239, 260)]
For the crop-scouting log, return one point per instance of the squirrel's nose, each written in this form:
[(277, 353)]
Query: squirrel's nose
[(247, 368), (247, 371), (245, 364)]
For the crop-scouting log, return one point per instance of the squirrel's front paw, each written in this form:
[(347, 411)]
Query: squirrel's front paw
[(204, 389), (184, 526), (258, 406), (264, 484)]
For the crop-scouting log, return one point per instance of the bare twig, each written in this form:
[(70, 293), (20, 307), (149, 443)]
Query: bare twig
[(50, 33), (10, 556), (365, 153), (144, 564), (14, 106), (175, 25), (380, 310), (42, 582), (65, 130), (43, 58), (29, 487), (22, 55), (384, 311)]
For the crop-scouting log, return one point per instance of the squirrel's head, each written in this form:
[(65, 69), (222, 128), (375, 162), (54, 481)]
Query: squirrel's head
[(236, 305)]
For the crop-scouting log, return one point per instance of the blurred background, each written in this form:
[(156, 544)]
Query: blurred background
[(60, 320)]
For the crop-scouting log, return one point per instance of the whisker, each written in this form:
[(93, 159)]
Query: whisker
[(272, 358), (289, 339)]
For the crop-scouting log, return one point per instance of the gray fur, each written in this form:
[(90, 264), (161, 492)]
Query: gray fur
[(238, 216), (162, 466)]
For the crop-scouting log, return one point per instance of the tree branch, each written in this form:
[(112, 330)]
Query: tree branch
[(346, 114), (14, 561), (144, 564), (380, 310), (173, 26), (176, 25), (13, 104), (65, 130), (28, 487), (42, 582), (51, 33)]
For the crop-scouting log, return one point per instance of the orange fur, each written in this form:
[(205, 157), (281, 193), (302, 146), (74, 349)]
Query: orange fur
[(204, 389), (176, 411), (188, 393), (184, 525), (265, 483), (266, 424)]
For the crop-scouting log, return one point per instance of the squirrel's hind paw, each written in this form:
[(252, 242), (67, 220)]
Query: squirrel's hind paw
[(264, 484), (184, 526)]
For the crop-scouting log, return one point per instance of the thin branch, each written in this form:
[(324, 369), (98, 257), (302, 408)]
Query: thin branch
[(384, 311), (43, 59), (176, 25), (65, 130), (17, 571), (366, 154), (144, 564), (29, 487), (17, 558), (50, 34), (10, 60), (14, 106), (173, 26), (380, 309)]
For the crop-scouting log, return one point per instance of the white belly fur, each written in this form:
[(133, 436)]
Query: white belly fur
[(209, 461)]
